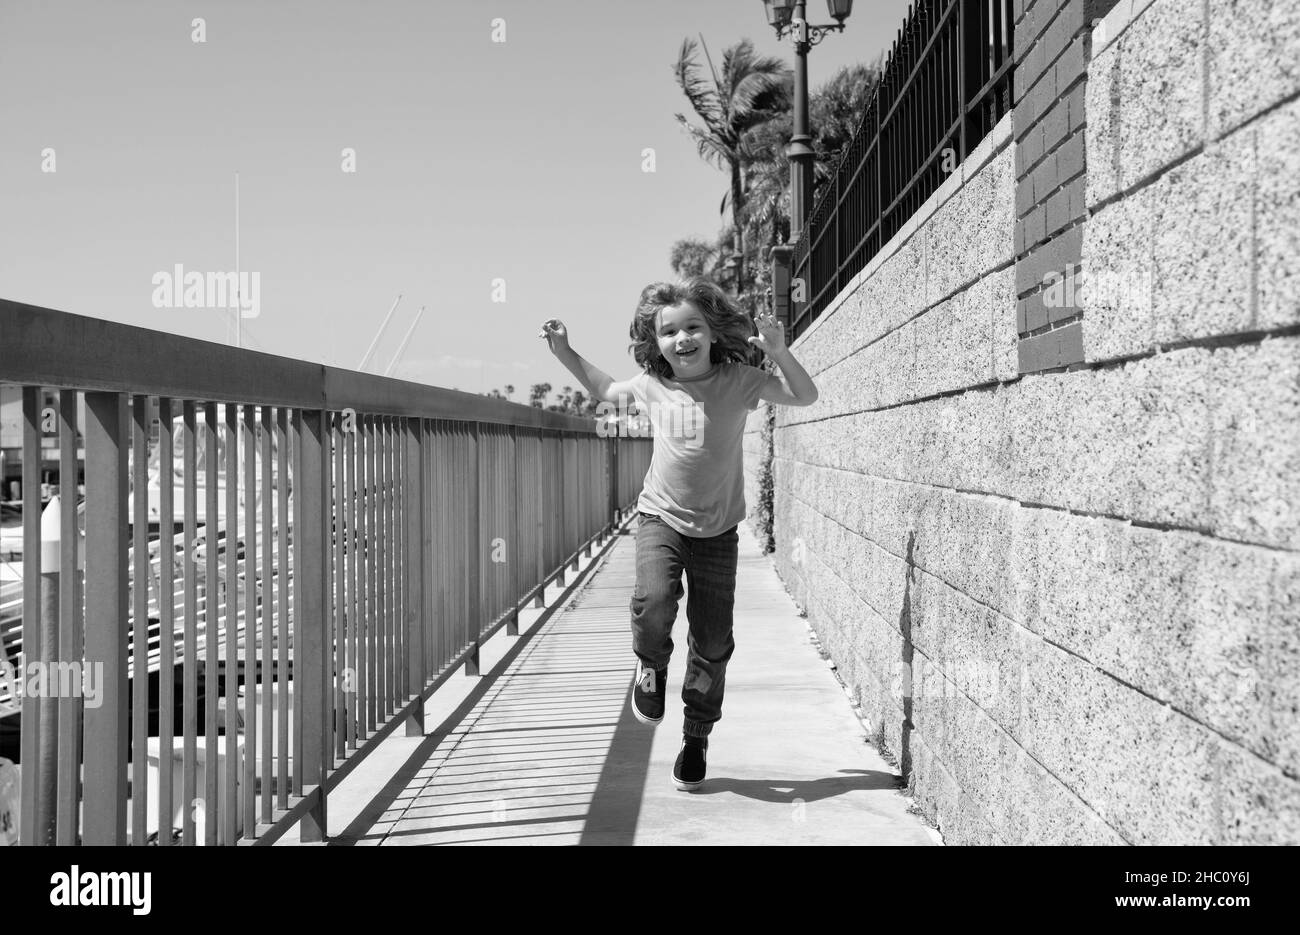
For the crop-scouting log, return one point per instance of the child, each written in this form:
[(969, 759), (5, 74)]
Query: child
[(696, 348)]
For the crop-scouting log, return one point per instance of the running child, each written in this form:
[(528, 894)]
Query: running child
[(697, 350)]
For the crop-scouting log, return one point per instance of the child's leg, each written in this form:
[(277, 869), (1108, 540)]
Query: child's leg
[(660, 556), (711, 581)]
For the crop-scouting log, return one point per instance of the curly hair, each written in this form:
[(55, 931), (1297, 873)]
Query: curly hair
[(727, 320)]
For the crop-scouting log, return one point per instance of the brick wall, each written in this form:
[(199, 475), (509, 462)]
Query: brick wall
[(1068, 597), (1052, 47)]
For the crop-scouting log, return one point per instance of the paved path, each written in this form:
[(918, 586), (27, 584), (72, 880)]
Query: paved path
[(543, 749)]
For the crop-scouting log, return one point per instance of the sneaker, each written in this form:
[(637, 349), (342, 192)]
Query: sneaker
[(648, 694), (688, 771)]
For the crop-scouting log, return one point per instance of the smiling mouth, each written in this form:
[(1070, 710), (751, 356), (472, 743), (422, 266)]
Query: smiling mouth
[(687, 353)]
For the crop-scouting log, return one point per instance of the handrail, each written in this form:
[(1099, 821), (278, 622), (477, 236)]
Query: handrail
[(44, 347)]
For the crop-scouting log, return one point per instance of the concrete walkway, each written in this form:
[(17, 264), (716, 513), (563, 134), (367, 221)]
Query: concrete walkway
[(543, 748)]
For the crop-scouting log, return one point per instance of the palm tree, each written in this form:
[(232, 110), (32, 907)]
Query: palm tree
[(750, 91), (693, 258)]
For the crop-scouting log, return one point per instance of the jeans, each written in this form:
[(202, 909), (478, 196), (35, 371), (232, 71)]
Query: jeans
[(662, 553)]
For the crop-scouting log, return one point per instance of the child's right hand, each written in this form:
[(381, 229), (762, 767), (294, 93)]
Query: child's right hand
[(557, 336)]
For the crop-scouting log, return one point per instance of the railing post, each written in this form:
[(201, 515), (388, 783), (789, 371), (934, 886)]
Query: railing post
[(414, 574), (963, 99), (71, 627), (512, 625), (339, 551), (311, 619), (781, 256), (584, 460), (563, 513), (106, 618), (538, 601), (475, 581), (611, 498)]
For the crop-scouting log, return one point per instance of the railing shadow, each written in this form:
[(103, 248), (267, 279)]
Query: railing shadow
[(543, 749)]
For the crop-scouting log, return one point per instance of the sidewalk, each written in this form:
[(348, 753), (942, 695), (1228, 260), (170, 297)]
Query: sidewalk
[(543, 749)]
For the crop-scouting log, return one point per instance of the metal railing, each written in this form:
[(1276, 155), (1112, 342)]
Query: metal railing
[(946, 83), (373, 533)]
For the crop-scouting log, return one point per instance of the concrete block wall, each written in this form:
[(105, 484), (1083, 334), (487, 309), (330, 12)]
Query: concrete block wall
[(1068, 598)]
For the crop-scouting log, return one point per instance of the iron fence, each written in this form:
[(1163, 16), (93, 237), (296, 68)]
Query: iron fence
[(946, 83)]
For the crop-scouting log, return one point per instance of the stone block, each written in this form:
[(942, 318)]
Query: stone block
[(1184, 618), (1002, 331), (1203, 243), (1258, 804), (1252, 62), (1102, 131), (1277, 217), (1160, 120), (1255, 422), (1118, 259), (1146, 769)]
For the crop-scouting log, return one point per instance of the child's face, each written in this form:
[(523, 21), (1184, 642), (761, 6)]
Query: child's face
[(684, 339)]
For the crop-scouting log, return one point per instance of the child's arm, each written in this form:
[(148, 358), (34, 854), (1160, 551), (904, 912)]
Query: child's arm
[(598, 383), (798, 388)]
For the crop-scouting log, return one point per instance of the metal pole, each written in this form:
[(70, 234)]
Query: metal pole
[(378, 334), (799, 150)]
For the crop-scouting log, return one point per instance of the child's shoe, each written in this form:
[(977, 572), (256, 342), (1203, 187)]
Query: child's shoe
[(648, 694), (688, 771)]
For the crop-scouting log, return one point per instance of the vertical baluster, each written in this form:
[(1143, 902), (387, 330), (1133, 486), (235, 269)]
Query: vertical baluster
[(516, 527), (106, 617), (60, 769), (381, 569), (166, 622), (337, 543), (248, 657), (312, 631), (386, 569), (190, 650), (363, 590), (230, 683), (441, 516), (371, 586), (283, 532), (404, 568), (211, 649), (540, 465), (299, 517), (69, 709), (36, 796), (266, 682), (139, 619), (414, 558), (427, 569), (353, 544)]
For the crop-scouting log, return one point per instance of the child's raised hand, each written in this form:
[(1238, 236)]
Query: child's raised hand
[(556, 335), (771, 334)]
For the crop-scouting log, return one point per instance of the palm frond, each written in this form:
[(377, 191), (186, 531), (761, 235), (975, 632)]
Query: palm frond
[(703, 99), (711, 149)]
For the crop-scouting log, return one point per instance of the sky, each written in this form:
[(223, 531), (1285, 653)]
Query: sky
[(495, 183)]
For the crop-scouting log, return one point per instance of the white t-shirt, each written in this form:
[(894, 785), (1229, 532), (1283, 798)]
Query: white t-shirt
[(696, 481)]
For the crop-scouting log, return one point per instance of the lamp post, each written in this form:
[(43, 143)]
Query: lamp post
[(787, 17)]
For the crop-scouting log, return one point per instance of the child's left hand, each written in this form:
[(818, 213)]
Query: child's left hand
[(771, 334)]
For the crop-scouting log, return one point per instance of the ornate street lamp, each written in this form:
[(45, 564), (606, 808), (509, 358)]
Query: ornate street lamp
[(788, 17)]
